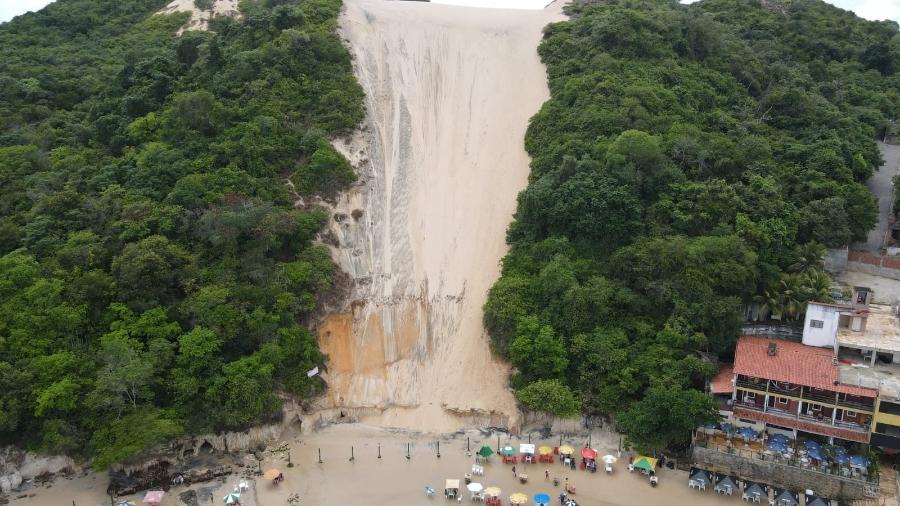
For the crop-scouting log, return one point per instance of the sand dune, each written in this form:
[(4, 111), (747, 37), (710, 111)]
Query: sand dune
[(449, 91)]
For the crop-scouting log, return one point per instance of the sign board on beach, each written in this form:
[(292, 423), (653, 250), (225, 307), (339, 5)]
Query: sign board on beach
[(312, 372)]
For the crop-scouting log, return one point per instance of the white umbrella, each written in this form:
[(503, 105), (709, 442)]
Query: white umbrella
[(609, 459), (474, 487)]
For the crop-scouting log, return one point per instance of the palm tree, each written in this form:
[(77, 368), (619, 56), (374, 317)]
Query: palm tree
[(817, 287), (791, 295), (769, 303), (808, 257)]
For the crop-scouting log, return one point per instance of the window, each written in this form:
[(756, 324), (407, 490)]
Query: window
[(890, 430), (890, 408), (749, 396), (849, 414), (782, 400), (813, 409), (817, 324)]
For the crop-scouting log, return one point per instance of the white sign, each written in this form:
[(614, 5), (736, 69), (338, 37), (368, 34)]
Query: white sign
[(312, 372)]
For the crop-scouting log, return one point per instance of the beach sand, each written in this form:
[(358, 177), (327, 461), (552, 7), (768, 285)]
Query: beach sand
[(398, 481), (441, 158)]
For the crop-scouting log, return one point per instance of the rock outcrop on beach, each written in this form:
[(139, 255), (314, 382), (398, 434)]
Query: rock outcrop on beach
[(440, 158)]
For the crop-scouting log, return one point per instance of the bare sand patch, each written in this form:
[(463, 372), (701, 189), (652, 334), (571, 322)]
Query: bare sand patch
[(449, 92), (200, 18)]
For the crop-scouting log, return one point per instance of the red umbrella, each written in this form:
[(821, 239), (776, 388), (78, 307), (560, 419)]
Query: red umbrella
[(589, 453)]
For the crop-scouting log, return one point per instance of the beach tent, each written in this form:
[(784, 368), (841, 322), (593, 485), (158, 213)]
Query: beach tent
[(232, 499), (485, 451), (566, 450), (526, 449), (814, 500), (541, 499), (451, 488), (786, 497), (725, 483), (753, 490), (588, 453), (154, 497), (699, 478), (507, 451), (643, 463)]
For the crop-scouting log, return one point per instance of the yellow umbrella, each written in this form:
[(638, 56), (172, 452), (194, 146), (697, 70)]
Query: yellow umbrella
[(271, 474), (566, 450), (492, 492), (518, 498), (544, 450)]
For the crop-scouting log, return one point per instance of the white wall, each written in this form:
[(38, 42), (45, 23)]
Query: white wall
[(825, 336)]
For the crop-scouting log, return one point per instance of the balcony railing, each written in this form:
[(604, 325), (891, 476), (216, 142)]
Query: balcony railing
[(748, 405), (857, 404), (825, 397), (747, 383), (793, 391)]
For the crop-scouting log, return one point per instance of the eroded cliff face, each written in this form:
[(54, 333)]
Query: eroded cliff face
[(449, 91)]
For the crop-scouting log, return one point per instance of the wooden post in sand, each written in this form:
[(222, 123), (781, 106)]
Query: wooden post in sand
[(407, 451), (439, 449), (352, 458), (379, 450), (320, 455)]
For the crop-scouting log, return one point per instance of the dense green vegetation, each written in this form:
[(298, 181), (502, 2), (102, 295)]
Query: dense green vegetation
[(690, 162), (155, 276)]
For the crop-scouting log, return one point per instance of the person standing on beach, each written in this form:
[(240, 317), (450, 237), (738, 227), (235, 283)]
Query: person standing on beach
[(514, 472), (546, 475)]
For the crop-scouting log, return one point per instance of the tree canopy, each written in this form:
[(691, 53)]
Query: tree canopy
[(692, 160), (156, 277)]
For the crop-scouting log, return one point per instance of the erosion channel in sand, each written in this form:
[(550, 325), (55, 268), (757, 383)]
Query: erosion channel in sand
[(449, 91)]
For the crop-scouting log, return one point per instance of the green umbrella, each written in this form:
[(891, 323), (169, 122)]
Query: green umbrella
[(231, 498), (126, 502), (485, 451), (507, 451)]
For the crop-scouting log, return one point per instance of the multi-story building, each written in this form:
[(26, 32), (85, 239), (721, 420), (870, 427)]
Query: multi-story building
[(792, 387), (842, 381)]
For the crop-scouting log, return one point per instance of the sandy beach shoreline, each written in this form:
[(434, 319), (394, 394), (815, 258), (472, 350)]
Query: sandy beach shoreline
[(395, 480)]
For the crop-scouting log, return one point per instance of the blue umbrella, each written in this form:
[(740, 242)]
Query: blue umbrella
[(841, 458), (859, 461), (810, 444), (727, 427), (840, 450), (779, 438), (777, 447), (542, 498), (747, 433), (814, 453)]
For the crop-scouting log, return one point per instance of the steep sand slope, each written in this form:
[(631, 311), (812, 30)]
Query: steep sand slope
[(449, 91)]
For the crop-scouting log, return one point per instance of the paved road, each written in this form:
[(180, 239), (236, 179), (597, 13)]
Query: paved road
[(880, 185)]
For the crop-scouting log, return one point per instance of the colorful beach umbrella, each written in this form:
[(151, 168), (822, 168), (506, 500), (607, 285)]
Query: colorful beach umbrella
[(589, 453), (126, 502), (566, 450), (541, 498), (518, 498), (545, 450), (271, 474), (644, 463), (485, 451), (231, 498), (507, 451)]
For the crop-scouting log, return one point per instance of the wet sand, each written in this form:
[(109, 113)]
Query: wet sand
[(398, 481)]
